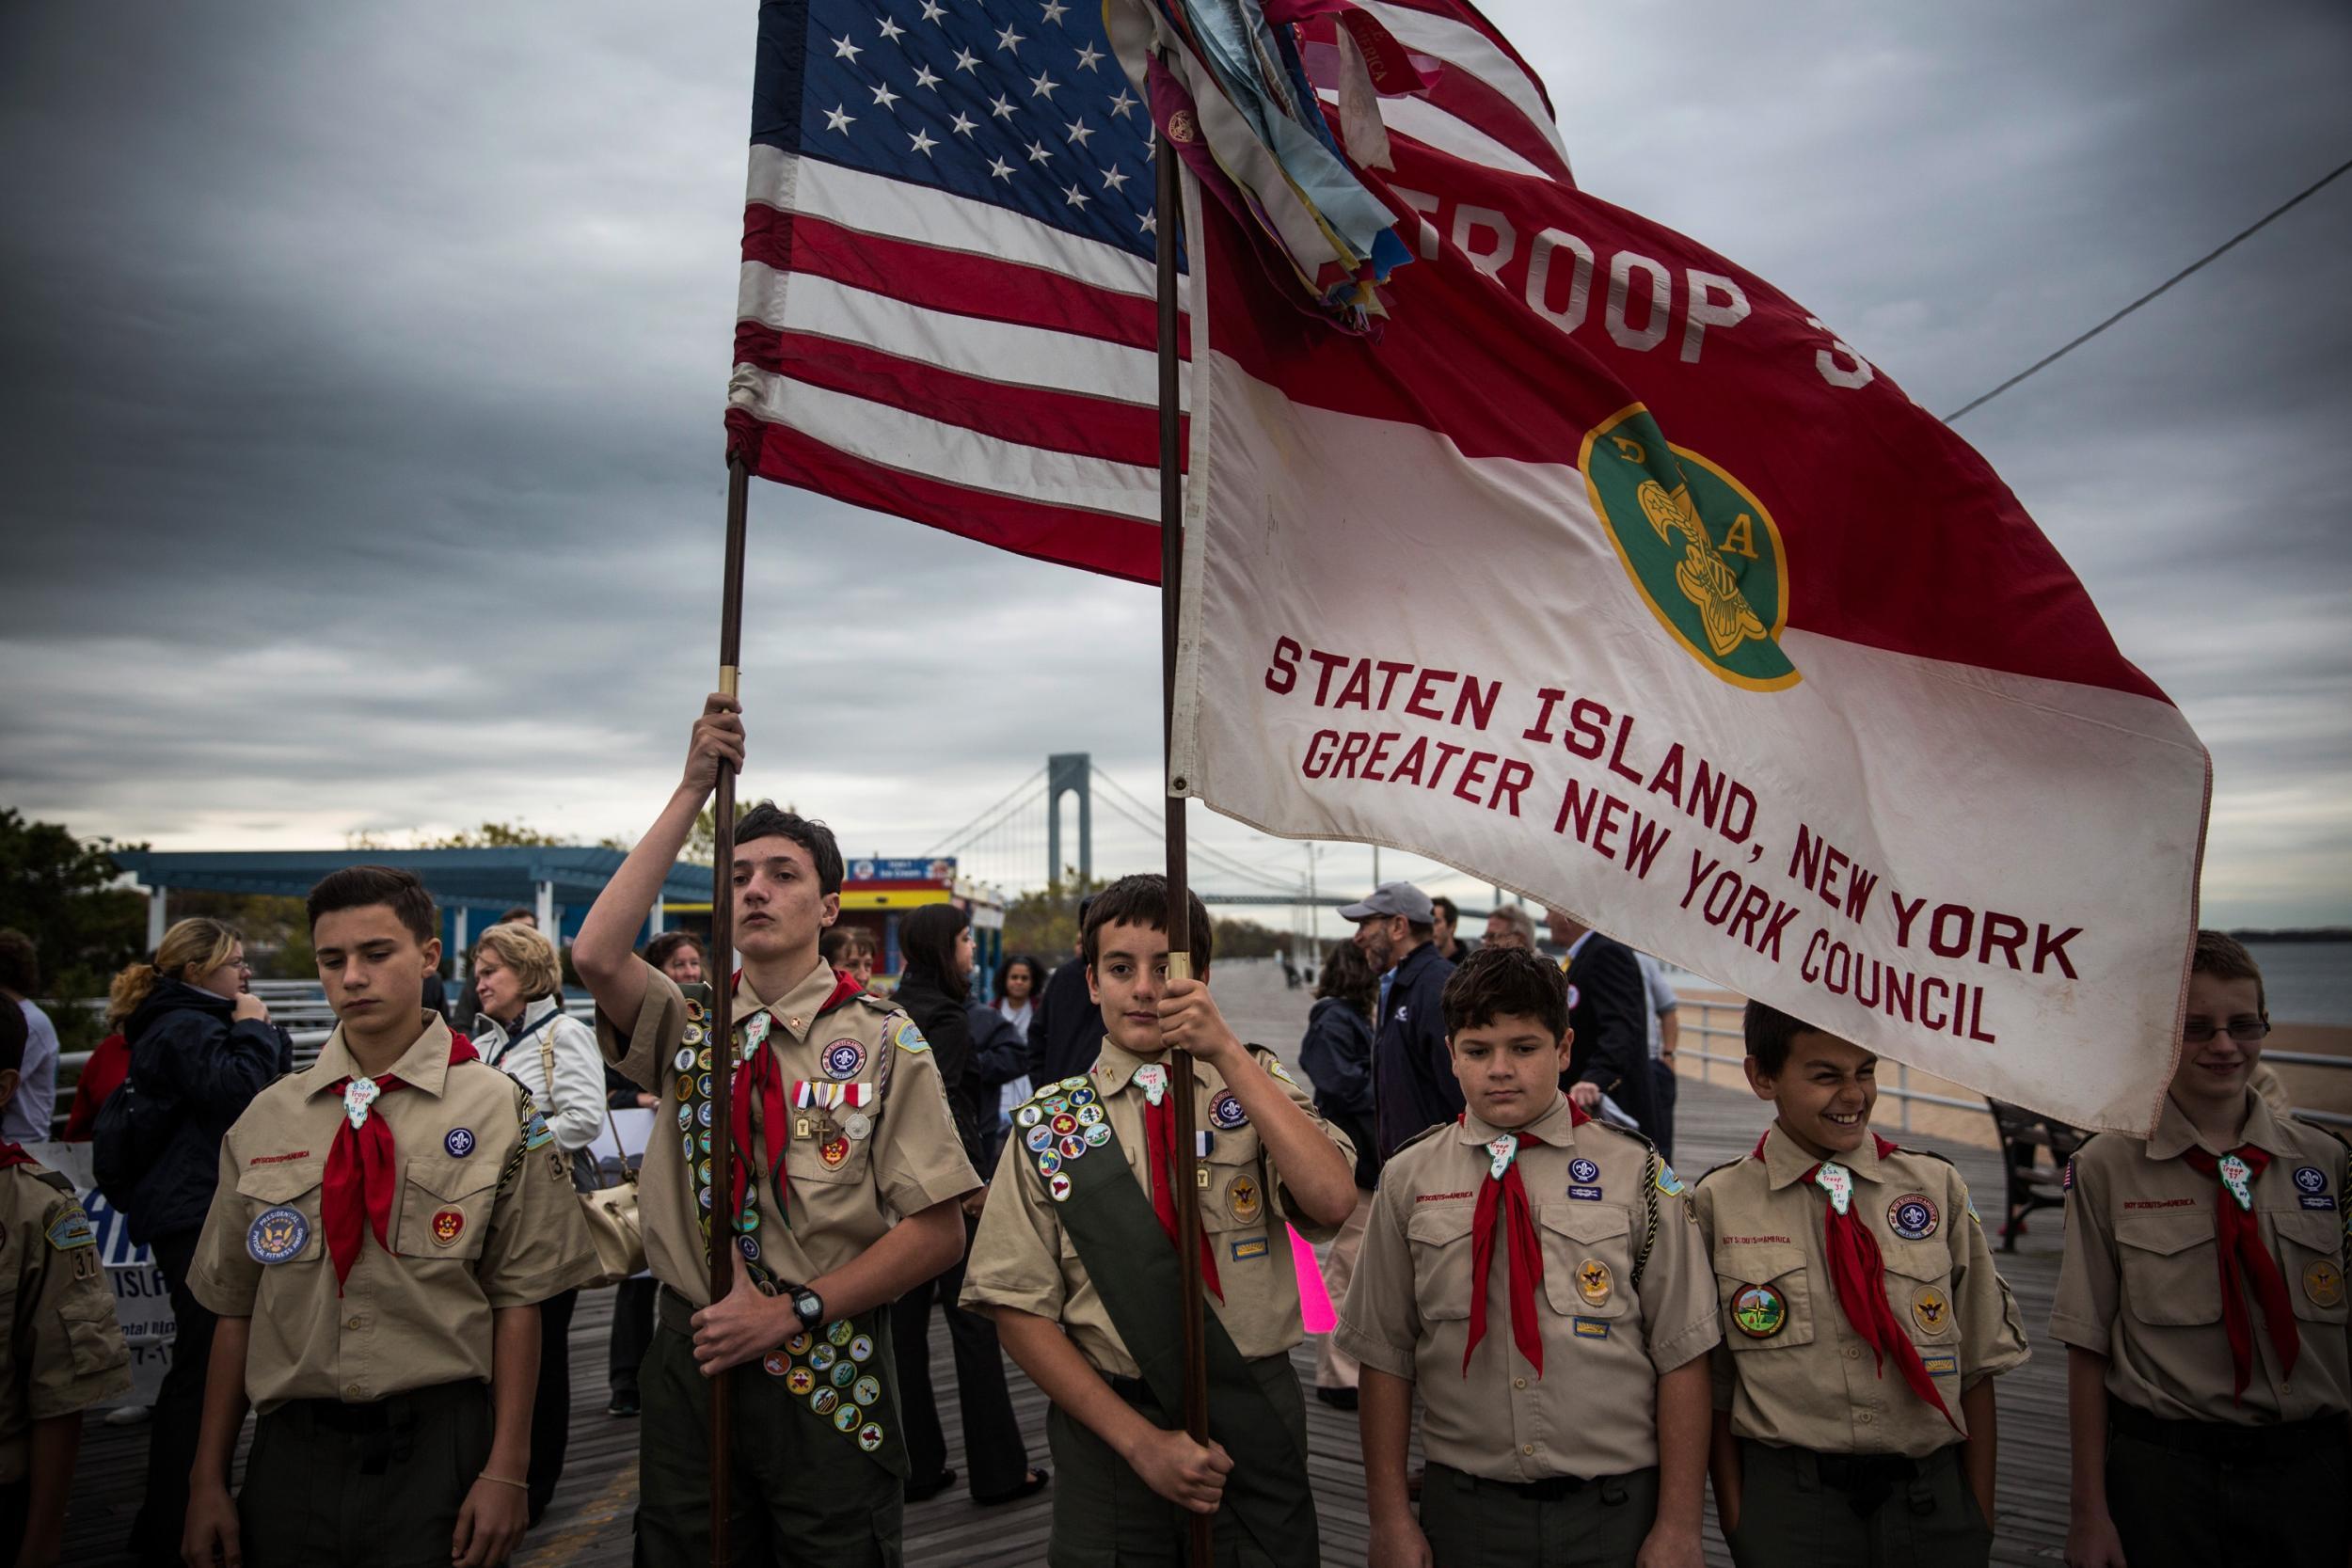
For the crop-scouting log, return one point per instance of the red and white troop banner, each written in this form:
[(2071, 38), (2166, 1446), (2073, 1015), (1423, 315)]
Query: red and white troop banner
[(1610, 575)]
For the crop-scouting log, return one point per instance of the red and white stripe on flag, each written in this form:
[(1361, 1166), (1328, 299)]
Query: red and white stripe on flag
[(1610, 575)]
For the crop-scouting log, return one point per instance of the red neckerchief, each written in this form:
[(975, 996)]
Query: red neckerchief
[(12, 1155), (2238, 1239), (1503, 1202), (1857, 1272), (758, 1075), (1159, 1138), (360, 1175)]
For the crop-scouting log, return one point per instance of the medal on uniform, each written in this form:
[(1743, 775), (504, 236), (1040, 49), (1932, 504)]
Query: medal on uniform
[(1504, 1149), (1836, 1181), (1153, 1077), (857, 1127), (360, 1093), (2236, 1175)]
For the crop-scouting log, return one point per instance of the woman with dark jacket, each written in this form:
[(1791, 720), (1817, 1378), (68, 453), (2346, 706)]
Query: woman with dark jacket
[(201, 1046), (934, 988), (1337, 1055)]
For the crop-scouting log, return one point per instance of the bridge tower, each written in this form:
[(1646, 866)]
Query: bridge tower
[(1067, 773)]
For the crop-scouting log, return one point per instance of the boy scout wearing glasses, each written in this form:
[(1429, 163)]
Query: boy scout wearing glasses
[(1536, 1277), (1075, 1258), (61, 1351), (386, 1223), (2201, 1300), (1862, 1324), (848, 1177)]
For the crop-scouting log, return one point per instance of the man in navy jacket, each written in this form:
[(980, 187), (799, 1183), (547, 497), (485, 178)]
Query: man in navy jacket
[(1412, 1081)]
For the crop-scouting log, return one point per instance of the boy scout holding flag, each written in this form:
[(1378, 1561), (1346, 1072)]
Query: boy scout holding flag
[(1536, 1274), (387, 1222), (1862, 1324), (847, 1173), (2201, 1301), (61, 1351), (1076, 1260)]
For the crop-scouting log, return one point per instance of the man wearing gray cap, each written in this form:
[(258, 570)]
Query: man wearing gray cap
[(1412, 1085)]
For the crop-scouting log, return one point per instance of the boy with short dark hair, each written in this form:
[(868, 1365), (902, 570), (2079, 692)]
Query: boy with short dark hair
[(387, 1222), (1864, 1323), (1076, 1260), (61, 1351), (1534, 1274), (2201, 1301)]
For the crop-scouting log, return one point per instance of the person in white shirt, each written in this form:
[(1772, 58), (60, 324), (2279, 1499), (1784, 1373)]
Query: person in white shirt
[(26, 1118)]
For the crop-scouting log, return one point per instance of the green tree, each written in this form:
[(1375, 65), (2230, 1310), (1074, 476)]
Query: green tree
[(59, 890), (1045, 921)]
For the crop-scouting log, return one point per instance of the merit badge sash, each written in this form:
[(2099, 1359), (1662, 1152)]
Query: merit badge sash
[(1111, 1223), (840, 1376)]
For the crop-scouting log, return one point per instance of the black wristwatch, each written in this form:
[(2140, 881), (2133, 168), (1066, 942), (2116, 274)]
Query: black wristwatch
[(808, 1307)]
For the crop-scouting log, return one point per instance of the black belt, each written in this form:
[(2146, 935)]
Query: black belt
[(1867, 1480), (386, 1428), (2227, 1442), (1550, 1489)]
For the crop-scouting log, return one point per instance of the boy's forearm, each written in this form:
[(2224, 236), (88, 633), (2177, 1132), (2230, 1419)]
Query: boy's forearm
[(922, 1246), (1040, 1348), (57, 1442), (607, 934), (1384, 1420), (224, 1403), (2087, 1431), (1315, 1174), (514, 1382), (1980, 1453), (1686, 1420)]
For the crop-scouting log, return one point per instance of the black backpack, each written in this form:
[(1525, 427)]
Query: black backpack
[(128, 1137)]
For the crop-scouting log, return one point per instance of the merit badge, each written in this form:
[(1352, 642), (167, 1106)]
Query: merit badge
[(775, 1363), (276, 1235), (1058, 1185), (1072, 1146), (1592, 1281), (1930, 1310), (693, 1034), (1082, 1096), (1028, 1116), (2310, 1178), (702, 1112), (1039, 1139), (684, 1060), (1758, 1311), (847, 1417), (1225, 1112), (823, 1401), (857, 1127), (1096, 1135), (357, 1096), (868, 1390), (1088, 1115), (701, 1085), (843, 1058), (798, 1345), (1048, 1161), (908, 1038), (1584, 1171), (821, 1357), (840, 1332), (1502, 1153), (1074, 1085), (862, 1351), (844, 1374), (2237, 1176), (448, 1225), (832, 1151), (459, 1142), (693, 1010), (1912, 1216), (1241, 1199), (1064, 1124), (702, 1059), (748, 1245), (869, 1436), (2323, 1283), (1836, 1181), (702, 1197)]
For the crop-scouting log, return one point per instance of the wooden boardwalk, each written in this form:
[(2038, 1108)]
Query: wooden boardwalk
[(588, 1526)]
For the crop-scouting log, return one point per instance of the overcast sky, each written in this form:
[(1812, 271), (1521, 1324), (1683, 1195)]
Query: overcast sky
[(361, 371)]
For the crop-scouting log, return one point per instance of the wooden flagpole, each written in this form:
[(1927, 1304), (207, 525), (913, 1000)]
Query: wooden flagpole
[(722, 1003), (1167, 205)]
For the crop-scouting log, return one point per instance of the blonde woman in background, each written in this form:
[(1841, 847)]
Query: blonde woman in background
[(201, 1046), (523, 1031)]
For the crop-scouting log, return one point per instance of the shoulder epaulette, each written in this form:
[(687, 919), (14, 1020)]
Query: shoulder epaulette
[(884, 1005), (1710, 1170), (1272, 1062), (57, 1179), (1424, 1133)]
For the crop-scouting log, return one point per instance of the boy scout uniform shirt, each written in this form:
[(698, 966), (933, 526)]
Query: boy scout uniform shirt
[(912, 1161), (1805, 1379), (1592, 1411), (2140, 1284), (1023, 1259), (483, 1218), (59, 1342)]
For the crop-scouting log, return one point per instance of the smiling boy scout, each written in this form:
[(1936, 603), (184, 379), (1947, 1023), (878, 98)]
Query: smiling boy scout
[(387, 1222), (1862, 1325), (848, 1177), (1535, 1275), (1075, 1258), (2203, 1303)]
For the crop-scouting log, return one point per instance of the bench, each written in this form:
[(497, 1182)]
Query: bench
[(2024, 1133)]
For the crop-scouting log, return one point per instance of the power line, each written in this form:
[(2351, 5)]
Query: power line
[(2245, 233)]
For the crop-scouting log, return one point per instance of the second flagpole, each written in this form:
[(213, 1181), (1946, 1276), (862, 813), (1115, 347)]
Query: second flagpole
[(723, 1153)]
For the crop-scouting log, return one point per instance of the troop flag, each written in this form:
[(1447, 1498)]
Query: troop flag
[(1608, 574)]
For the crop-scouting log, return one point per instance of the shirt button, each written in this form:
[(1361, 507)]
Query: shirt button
[(355, 1390), (1864, 1417), (354, 1323), (1518, 1382), (1527, 1447), (1851, 1353)]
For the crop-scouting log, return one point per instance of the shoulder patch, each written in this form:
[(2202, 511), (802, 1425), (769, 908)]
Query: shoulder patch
[(1668, 1182), (1272, 1064), (69, 1230), (906, 1037)]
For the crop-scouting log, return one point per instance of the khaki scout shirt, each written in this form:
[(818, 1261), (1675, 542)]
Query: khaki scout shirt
[(1813, 1383), (912, 1161), (59, 1342), (2140, 1284), (1023, 1259), (483, 1217), (1592, 1411)]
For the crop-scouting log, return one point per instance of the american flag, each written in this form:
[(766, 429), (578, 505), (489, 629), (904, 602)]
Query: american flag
[(948, 295)]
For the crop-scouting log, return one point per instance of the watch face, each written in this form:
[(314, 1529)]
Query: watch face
[(808, 1306)]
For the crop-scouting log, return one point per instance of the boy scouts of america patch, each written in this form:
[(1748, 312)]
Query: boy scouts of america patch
[(448, 1225), (1912, 1216), (459, 1142), (1931, 1310), (275, 1235), (1702, 551), (1758, 1311), (843, 1058), (1225, 1112)]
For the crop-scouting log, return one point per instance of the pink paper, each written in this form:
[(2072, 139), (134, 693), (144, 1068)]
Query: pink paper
[(1314, 1298)]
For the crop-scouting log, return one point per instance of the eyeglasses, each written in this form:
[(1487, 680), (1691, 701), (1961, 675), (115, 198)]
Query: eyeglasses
[(2245, 1030)]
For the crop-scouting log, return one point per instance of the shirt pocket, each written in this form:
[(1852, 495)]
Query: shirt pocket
[(94, 1344), (804, 1163), (1439, 1238), (1766, 1296), (282, 1227), (2311, 1256), (1235, 1198), (2170, 1276), (1919, 1288), (1588, 1259), (445, 1208)]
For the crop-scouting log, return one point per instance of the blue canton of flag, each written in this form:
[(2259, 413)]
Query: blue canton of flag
[(1017, 103)]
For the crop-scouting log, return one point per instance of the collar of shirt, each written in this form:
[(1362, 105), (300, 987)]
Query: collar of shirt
[(1578, 946), (1786, 1163), (2174, 1136), (490, 1036), (1115, 1069), (796, 1010), (1554, 1129), (423, 1066)]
